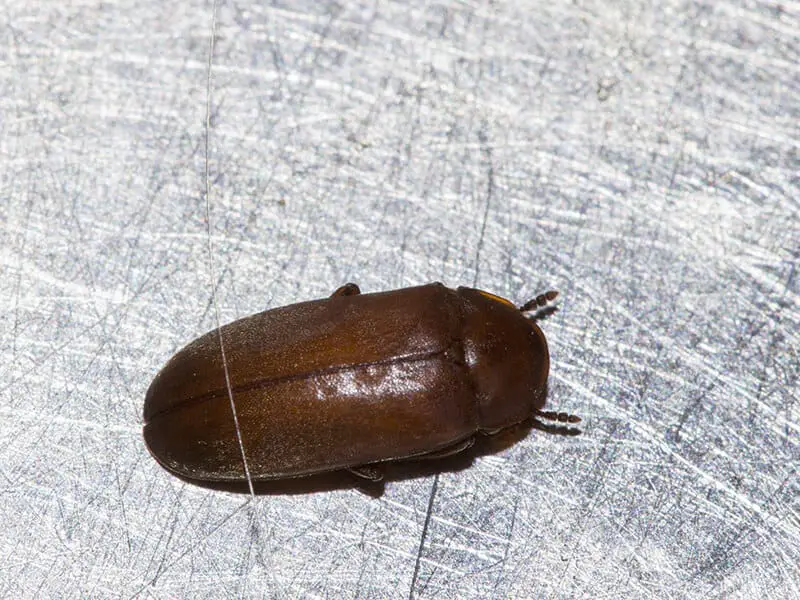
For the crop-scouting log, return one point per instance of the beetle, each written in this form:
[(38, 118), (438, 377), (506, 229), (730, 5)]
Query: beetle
[(347, 383)]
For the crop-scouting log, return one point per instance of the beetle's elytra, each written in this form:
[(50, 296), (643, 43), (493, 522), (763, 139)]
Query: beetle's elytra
[(349, 382)]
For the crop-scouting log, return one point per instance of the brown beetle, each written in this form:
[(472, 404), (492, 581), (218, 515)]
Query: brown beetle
[(349, 382)]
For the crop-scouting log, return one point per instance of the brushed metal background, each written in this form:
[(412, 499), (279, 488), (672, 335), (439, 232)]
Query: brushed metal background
[(641, 159)]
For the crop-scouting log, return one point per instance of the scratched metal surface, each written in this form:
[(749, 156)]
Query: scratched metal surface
[(644, 161)]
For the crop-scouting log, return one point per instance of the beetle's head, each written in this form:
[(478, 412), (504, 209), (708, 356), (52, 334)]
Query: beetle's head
[(508, 359)]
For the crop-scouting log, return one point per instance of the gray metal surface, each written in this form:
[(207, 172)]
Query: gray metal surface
[(643, 160)]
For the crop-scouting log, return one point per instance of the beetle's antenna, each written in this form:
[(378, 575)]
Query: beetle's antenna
[(555, 429), (540, 301), (211, 269), (560, 417), (540, 307)]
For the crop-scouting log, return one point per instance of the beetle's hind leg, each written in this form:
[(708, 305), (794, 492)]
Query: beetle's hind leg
[(540, 307), (348, 289)]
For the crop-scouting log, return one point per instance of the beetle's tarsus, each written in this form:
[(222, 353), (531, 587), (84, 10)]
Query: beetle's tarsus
[(367, 472), (348, 289)]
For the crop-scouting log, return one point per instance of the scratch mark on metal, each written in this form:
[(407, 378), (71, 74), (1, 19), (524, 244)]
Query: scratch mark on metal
[(211, 269), (431, 498)]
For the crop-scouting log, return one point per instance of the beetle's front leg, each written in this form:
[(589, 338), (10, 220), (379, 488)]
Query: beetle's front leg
[(348, 289)]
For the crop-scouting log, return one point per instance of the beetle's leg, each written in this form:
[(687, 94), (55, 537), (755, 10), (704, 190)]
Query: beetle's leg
[(561, 417), (348, 289), (368, 472), (540, 301), (450, 450)]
